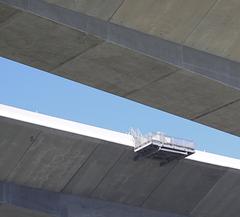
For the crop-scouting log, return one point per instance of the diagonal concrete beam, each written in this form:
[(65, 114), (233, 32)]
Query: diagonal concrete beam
[(98, 165), (182, 56), (129, 63)]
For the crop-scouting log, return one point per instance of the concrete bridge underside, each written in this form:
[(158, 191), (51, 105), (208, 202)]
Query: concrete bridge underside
[(50, 172), (178, 56)]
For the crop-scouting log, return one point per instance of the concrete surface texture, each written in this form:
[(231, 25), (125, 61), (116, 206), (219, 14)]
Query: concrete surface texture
[(183, 60), (210, 25), (42, 203), (13, 211), (173, 19), (103, 9), (61, 161)]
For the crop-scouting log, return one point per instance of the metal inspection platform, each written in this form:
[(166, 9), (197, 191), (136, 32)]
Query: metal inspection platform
[(162, 147)]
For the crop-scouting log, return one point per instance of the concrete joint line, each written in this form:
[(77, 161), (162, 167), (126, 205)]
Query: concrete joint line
[(85, 162), (214, 110), (208, 193), (33, 140), (206, 14)]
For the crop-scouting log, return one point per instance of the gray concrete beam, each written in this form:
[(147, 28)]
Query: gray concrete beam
[(7, 210), (118, 70), (32, 201), (115, 58), (209, 65), (87, 164)]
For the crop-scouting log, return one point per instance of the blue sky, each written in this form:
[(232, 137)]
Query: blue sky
[(31, 89)]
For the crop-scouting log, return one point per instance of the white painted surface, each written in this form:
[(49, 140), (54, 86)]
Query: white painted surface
[(102, 134), (215, 159), (65, 125)]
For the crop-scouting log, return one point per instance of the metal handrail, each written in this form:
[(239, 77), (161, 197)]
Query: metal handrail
[(160, 137)]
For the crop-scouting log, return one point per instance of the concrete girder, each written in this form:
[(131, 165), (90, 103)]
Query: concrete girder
[(24, 201), (29, 202), (110, 56), (52, 157)]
